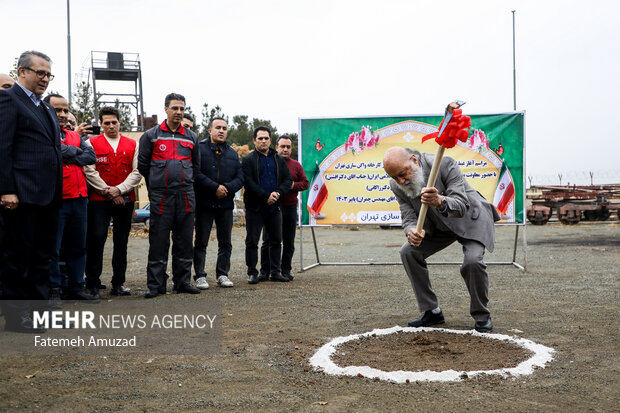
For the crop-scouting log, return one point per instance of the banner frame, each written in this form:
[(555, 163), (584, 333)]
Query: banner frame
[(514, 263)]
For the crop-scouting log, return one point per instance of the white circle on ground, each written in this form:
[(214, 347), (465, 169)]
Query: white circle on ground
[(321, 360)]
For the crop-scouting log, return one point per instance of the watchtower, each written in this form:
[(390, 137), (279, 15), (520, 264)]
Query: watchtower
[(110, 68)]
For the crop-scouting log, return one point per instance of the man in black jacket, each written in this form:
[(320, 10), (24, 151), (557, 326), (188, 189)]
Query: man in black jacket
[(220, 177), (30, 187), (267, 179)]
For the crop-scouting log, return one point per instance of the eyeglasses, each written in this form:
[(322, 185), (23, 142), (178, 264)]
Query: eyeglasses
[(41, 73)]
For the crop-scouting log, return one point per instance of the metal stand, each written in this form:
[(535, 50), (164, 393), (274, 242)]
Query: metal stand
[(318, 259), (118, 67)]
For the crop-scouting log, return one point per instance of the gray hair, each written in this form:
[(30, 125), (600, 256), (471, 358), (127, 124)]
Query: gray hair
[(414, 152), (25, 58)]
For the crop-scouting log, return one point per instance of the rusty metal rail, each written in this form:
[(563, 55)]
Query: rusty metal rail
[(573, 204)]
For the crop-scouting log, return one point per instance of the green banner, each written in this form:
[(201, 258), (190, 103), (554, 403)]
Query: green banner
[(343, 160)]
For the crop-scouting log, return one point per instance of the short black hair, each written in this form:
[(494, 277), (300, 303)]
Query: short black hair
[(262, 128), (214, 119), (25, 59), (284, 137), (109, 110), (173, 96), (188, 117), (52, 95)]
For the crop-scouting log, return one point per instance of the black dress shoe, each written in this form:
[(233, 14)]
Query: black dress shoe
[(22, 324), (279, 278), (253, 279), (427, 319), (94, 292), (119, 290), (82, 295), (263, 277), (187, 288), (289, 276), (151, 294), (485, 326)]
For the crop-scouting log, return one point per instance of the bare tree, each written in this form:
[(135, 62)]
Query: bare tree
[(560, 176), (591, 178)]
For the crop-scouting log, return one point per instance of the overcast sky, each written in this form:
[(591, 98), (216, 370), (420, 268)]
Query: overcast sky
[(282, 60)]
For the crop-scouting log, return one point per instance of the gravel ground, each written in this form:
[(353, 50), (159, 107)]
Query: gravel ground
[(567, 300)]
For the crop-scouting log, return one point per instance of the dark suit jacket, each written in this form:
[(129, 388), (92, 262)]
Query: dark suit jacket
[(30, 153), (469, 214)]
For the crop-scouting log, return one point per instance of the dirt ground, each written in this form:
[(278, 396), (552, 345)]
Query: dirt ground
[(435, 351), (567, 300)]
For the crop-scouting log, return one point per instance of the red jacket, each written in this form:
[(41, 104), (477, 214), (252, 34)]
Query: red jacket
[(300, 182), (113, 167), (168, 160), (73, 177)]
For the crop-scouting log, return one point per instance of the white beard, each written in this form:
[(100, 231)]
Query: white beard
[(413, 187)]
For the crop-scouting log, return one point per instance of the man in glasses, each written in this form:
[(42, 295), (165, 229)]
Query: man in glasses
[(169, 159), (30, 188)]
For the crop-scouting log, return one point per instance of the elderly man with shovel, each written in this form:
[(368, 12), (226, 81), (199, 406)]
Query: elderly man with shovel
[(447, 209)]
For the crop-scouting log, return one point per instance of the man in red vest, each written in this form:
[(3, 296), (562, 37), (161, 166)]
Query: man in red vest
[(112, 182), (71, 235)]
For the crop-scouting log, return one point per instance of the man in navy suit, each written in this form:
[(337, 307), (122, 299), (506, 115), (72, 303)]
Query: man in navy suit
[(30, 188)]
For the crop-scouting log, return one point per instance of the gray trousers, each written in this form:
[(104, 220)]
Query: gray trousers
[(473, 272), (172, 211)]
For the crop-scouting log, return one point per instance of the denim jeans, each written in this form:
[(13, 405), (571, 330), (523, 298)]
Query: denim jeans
[(71, 237)]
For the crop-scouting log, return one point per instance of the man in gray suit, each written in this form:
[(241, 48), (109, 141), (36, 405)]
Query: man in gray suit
[(456, 212)]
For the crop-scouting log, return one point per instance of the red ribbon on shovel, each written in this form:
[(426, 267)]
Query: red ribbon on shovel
[(453, 127)]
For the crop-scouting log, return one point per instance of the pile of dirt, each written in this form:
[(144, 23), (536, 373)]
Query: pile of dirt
[(434, 351)]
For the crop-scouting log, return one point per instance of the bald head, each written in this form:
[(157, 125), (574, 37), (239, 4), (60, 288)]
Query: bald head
[(397, 162), (395, 156), (6, 81)]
